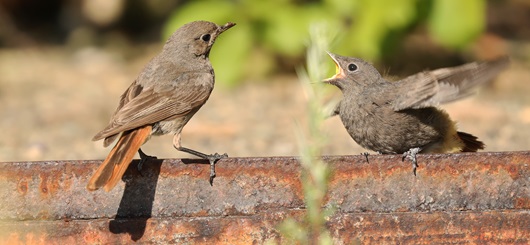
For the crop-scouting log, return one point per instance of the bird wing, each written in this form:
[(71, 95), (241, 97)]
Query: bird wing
[(444, 85), (141, 106)]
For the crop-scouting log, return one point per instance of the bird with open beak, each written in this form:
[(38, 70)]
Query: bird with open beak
[(402, 117)]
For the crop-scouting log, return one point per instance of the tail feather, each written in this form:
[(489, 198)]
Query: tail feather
[(471, 142), (112, 169)]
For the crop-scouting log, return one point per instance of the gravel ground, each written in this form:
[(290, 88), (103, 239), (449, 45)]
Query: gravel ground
[(52, 101)]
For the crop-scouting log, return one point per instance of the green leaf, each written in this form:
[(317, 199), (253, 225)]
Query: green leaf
[(230, 49), (372, 21), (229, 54), (218, 12), (341, 8), (287, 29), (285, 32), (455, 23)]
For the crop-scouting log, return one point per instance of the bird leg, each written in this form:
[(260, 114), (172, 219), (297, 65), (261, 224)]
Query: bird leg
[(144, 158), (411, 155), (212, 158), (366, 154)]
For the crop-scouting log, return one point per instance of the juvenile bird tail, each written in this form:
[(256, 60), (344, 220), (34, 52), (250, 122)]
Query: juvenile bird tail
[(112, 169), (471, 142)]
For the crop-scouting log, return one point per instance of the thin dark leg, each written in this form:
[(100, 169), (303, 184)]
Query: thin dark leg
[(144, 158), (411, 154), (366, 154), (212, 158)]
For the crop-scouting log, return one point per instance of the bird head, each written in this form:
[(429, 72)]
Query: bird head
[(352, 72), (195, 38)]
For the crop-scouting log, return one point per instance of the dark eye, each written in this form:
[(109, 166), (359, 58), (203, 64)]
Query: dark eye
[(205, 37), (352, 67)]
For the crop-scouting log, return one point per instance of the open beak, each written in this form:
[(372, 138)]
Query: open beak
[(339, 73)]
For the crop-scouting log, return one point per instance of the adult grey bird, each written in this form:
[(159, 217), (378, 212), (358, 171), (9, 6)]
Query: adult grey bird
[(171, 88), (401, 117)]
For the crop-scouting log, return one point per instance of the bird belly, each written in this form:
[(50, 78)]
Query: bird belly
[(392, 132), (172, 126), (372, 134)]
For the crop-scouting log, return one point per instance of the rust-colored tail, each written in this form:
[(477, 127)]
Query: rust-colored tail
[(112, 169), (471, 142)]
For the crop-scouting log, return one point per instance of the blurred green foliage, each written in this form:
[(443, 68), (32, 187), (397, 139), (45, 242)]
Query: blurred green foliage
[(268, 31), (315, 172), (455, 23)]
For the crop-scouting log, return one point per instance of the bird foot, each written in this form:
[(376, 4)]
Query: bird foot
[(213, 158), (366, 154), (144, 158), (411, 155)]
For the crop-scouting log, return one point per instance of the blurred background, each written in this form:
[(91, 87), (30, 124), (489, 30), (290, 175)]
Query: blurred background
[(64, 64)]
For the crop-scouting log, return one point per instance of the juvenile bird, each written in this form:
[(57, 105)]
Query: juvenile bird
[(171, 88), (401, 117)]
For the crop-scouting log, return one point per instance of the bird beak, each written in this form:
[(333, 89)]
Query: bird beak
[(220, 30), (225, 27), (339, 73)]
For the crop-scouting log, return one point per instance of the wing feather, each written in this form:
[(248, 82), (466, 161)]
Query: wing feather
[(445, 85), (150, 105)]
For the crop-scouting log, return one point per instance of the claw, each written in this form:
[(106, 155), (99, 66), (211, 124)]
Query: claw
[(213, 158), (411, 155), (143, 159), (366, 154)]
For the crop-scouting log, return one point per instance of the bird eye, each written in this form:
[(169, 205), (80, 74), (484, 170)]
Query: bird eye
[(352, 67), (206, 37)]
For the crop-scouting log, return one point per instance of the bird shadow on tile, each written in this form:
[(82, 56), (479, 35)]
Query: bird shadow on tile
[(136, 204)]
